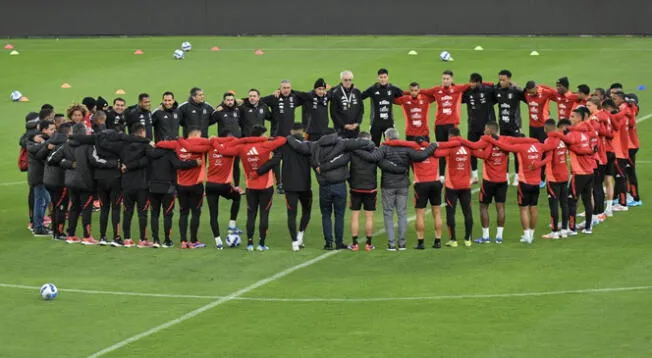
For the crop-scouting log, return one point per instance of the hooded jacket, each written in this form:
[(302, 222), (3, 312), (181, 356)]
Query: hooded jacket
[(53, 174), (73, 157), (331, 161), (37, 153)]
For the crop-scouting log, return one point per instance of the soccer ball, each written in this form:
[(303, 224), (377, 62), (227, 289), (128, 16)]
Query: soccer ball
[(49, 291), (178, 55), (186, 46), (232, 240), (445, 56), (15, 95)]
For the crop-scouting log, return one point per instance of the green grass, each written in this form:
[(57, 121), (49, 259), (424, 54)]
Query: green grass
[(474, 323)]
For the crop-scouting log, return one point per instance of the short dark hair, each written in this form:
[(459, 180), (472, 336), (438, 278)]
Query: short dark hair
[(530, 85), (383, 71), (43, 124), (454, 132), (65, 127), (549, 122), (563, 122), (99, 115), (168, 93), (255, 90), (609, 103), (142, 96), (137, 127), (448, 72), (228, 94), (600, 90), (47, 106), (364, 135), (193, 129), (119, 99), (414, 84), (585, 89), (492, 124), (507, 73), (44, 113), (616, 85), (31, 116), (297, 126), (581, 110), (59, 115), (225, 133), (258, 130), (619, 94), (79, 129), (475, 77), (194, 90)]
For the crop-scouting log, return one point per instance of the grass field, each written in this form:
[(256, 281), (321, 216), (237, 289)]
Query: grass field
[(581, 297)]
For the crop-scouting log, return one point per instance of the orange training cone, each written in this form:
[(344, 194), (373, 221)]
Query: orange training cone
[(120, 91), (66, 85), (9, 47), (259, 52), (138, 52), (215, 48)]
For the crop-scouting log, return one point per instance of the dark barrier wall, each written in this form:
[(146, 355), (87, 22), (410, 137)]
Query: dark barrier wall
[(211, 17)]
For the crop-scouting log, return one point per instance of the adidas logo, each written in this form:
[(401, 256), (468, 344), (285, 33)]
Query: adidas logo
[(532, 149), (252, 151), (183, 150), (461, 151)]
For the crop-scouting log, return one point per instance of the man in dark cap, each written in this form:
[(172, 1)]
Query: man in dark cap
[(101, 104)]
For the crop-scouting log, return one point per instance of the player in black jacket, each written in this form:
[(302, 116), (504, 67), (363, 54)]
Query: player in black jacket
[(295, 155), (315, 110), (195, 113), (31, 122), (227, 117), (37, 148), (480, 100), (253, 112), (105, 160), (382, 95), (162, 180), (54, 180), (134, 163), (78, 178), (509, 97), (346, 107), (116, 116), (140, 114), (165, 119)]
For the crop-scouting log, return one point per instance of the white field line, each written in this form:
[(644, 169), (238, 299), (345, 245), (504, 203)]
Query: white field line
[(434, 47), (353, 300)]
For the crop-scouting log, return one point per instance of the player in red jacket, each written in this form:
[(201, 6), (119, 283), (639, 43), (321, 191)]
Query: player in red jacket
[(538, 100), (427, 188), (416, 107), (190, 184), (634, 145), (529, 177), (581, 144), (620, 118), (254, 152), (599, 120), (219, 183)]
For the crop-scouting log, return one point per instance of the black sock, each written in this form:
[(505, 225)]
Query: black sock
[(437, 240), (261, 242), (420, 241), (355, 240), (250, 241)]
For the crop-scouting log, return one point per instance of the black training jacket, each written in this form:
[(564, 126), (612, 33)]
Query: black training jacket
[(73, 157), (395, 162), (193, 114), (295, 156), (115, 120), (227, 118), (166, 123), (251, 115), (53, 174), (480, 103), (509, 108), (36, 155), (162, 170), (137, 115), (346, 106), (283, 108), (134, 156), (382, 100), (315, 112)]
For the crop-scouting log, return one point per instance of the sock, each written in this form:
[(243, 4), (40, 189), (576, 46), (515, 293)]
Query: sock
[(231, 223), (499, 231), (368, 240), (261, 242), (420, 241), (300, 236), (526, 233), (531, 234), (609, 205), (437, 240), (355, 240), (485, 232), (218, 240), (475, 174), (250, 241)]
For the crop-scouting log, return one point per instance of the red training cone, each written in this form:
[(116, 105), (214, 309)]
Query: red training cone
[(215, 48), (259, 52), (138, 52), (9, 47)]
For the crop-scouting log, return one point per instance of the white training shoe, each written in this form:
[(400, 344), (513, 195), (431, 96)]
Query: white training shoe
[(523, 238), (620, 208), (515, 182), (609, 213), (563, 233), (587, 231), (300, 238), (553, 235), (295, 245)]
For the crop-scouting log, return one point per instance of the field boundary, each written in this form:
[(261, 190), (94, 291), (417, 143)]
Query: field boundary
[(352, 299)]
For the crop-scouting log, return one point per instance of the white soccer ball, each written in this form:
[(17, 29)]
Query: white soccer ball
[(178, 54), (445, 56), (15, 95), (232, 240), (49, 291), (186, 46)]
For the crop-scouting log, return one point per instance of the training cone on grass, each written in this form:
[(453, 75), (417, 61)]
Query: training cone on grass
[(642, 87), (23, 99), (66, 85), (534, 53), (120, 91), (215, 48), (9, 47), (259, 52), (412, 53), (138, 52), (14, 53), (478, 48)]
